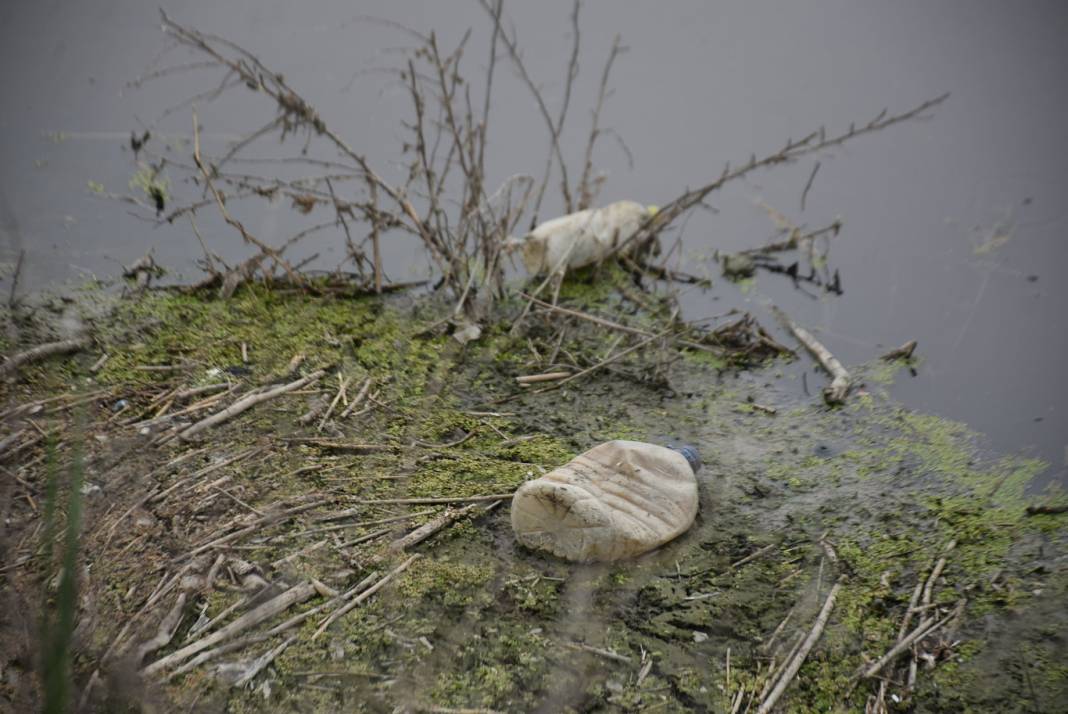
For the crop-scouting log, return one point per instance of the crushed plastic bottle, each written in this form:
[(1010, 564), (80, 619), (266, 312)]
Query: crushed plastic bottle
[(582, 238), (617, 500)]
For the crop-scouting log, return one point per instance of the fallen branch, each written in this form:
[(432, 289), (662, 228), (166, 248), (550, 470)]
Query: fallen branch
[(247, 403), (607, 654), (427, 501), (261, 662), (841, 379), (547, 377), (431, 527), (278, 604), (167, 628), (924, 628), (49, 349), (341, 611), (791, 669)]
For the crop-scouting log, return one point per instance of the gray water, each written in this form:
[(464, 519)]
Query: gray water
[(953, 225)]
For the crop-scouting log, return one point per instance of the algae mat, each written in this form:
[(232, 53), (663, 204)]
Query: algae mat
[(791, 502)]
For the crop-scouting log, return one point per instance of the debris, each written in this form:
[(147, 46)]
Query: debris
[(617, 500), (247, 403), (841, 380), (903, 352), (49, 349), (795, 662), (582, 238)]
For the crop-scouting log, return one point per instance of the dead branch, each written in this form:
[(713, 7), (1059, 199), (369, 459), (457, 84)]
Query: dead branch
[(341, 611), (278, 604), (607, 654), (814, 142), (49, 349), (808, 184), (841, 380), (790, 671), (587, 191), (167, 627), (247, 403), (511, 45), (925, 627)]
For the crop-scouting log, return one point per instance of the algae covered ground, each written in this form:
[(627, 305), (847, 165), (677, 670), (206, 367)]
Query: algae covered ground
[(185, 537)]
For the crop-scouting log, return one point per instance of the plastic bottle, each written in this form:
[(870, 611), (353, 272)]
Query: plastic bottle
[(582, 238), (617, 500)]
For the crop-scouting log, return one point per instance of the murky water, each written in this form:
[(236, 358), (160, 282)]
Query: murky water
[(953, 226)]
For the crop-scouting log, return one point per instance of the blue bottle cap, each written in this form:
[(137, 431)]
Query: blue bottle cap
[(692, 457)]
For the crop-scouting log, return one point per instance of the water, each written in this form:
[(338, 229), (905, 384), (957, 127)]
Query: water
[(953, 226)]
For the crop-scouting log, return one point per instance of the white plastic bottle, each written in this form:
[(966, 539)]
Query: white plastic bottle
[(582, 238), (617, 500)]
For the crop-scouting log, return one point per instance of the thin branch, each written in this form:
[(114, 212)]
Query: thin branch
[(799, 658)]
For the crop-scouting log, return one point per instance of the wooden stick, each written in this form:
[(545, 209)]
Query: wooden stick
[(841, 379), (337, 398), (247, 403), (607, 654), (167, 628), (357, 399), (42, 351), (924, 628), (341, 611), (456, 499), (547, 377), (280, 603), (795, 664)]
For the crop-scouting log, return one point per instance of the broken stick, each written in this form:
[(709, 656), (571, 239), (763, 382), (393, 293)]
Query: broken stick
[(42, 351), (841, 379), (799, 658), (242, 405), (278, 604)]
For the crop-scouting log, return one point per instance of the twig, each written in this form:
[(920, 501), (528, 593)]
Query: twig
[(39, 352), (430, 501), (924, 628), (12, 297), (262, 661), (795, 664), (793, 150), (431, 527), (841, 379), (357, 399), (808, 184), (337, 398), (547, 377), (247, 403), (167, 627), (279, 603), (341, 611), (607, 654)]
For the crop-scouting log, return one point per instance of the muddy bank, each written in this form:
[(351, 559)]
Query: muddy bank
[(795, 497)]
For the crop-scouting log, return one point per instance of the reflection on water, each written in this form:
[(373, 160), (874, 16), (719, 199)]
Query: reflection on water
[(951, 227)]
